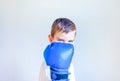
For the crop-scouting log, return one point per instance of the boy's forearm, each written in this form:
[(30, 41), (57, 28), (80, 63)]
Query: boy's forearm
[(72, 75)]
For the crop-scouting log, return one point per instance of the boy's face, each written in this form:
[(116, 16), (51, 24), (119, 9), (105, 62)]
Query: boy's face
[(63, 37)]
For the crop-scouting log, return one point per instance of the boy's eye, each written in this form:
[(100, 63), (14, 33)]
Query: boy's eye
[(61, 40), (70, 41)]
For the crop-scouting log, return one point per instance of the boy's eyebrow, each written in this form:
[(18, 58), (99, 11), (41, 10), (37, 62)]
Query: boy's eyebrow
[(59, 39)]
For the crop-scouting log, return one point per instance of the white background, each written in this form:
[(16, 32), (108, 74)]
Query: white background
[(25, 25)]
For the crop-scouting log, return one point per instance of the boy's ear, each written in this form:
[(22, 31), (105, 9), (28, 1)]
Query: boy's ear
[(50, 38)]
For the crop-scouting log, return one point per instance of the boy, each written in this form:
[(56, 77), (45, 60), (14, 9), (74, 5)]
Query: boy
[(63, 31)]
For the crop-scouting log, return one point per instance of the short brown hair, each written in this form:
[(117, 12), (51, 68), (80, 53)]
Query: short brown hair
[(62, 24)]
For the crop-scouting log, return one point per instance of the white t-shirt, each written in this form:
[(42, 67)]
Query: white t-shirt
[(45, 72)]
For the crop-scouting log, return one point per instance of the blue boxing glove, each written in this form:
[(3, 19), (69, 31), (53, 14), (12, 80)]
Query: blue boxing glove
[(59, 56)]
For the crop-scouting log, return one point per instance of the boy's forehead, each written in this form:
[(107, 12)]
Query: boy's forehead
[(69, 35)]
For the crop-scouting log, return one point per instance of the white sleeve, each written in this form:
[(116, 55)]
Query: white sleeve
[(71, 70), (44, 72)]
